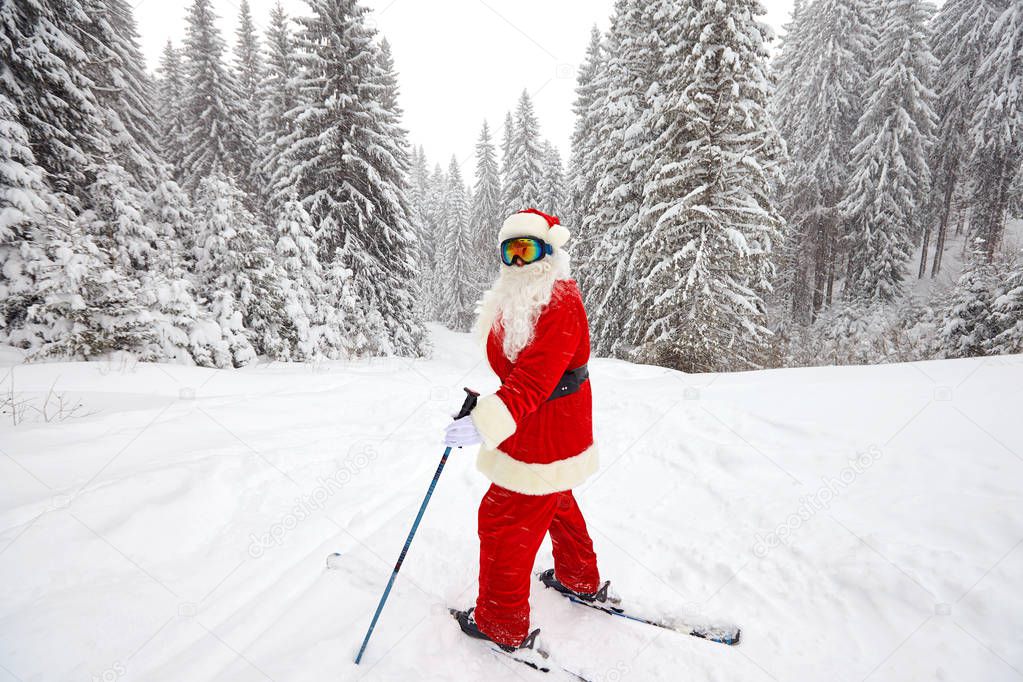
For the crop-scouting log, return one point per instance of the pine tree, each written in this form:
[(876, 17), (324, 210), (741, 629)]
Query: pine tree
[(116, 222), (433, 289), (891, 178), (249, 69), (27, 209), (217, 138), (237, 277), (581, 181), (487, 216), (506, 160), (647, 43), (170, 112), (456, 257), (966, 326), (791, 54), (45, 68), (248, 60), (169, 213), (525, 159), (420, 216), (349, 168), (419, 179), (996, 129), (317, 328), (553, 194), (1006, 317), (389, 80), (85, 307), (710, 222), (278, 99), (826, 62), (961, 42), (123, 89), (185, 331)]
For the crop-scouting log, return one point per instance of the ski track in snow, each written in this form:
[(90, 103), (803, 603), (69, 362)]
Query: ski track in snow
[(179, 532)]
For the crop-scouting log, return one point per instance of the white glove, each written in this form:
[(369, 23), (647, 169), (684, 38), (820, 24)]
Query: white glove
[(461, 432)]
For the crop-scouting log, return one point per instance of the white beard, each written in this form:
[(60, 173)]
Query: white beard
[(517, 299)]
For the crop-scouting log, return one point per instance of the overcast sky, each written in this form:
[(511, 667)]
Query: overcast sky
[(460, 61)]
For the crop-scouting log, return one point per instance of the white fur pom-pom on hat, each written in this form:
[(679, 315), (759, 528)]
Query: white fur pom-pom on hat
[(533, 223)]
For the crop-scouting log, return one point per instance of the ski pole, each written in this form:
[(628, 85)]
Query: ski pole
[(467, 407)]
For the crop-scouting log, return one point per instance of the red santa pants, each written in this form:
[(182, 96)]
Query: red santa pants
[(511, 528)]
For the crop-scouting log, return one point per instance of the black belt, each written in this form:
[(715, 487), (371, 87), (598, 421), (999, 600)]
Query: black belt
[(571, 381)]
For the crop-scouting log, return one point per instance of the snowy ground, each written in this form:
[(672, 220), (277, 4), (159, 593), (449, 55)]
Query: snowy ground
[(179, 531)]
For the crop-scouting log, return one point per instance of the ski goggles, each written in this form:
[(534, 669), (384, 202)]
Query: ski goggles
[(526, 249)]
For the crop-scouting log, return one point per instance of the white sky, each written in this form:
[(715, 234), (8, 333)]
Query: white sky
[(459, 61)]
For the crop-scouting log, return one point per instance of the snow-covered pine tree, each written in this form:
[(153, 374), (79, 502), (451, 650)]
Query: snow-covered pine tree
[(486, 215), (248, 60), (87, 309), (456, 257), (237, 277), (385, 83), (389, 80), (966, 325), (996, 129), (645, 39), (248, 65), (217, 136), (45, 68), (418, 205), (318, 330), (169, 213), (506, 145), (27, 208), (1006, 317), (349, 168), (961, 41), (553, 194), (184, 330), (710, 221), (115, 219), (170, 112), (278, 99), (825, 64), (433, 285), (581, 180), (788, 62), (123, 89), (525, 159), (890, 182)]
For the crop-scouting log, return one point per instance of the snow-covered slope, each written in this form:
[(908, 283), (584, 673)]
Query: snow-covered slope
[(179, 531)]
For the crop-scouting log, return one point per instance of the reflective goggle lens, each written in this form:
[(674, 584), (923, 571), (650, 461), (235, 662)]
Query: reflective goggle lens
[(529, 249)]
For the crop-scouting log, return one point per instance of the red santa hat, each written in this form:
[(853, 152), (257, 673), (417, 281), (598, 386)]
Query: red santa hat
[(533, 223)]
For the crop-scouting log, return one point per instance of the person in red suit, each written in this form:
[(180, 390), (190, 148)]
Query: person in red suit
[(536, 431)]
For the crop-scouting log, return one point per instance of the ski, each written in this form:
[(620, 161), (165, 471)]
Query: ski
[(723, 634), (538, 659)]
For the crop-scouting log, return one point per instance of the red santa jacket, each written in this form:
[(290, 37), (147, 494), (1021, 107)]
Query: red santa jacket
[(533, 445)]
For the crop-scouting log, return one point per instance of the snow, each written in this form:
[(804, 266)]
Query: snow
[(180, 531)]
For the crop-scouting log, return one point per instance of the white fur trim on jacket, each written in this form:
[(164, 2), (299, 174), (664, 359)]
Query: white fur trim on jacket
[(537, 479), (493, 420)]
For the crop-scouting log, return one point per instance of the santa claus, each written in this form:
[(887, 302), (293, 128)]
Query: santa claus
[(535, 432)]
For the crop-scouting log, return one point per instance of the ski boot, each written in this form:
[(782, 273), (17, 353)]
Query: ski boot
[(604, 595), (469, 627)]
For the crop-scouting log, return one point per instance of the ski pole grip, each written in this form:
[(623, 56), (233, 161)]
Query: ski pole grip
[(469, 404)]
